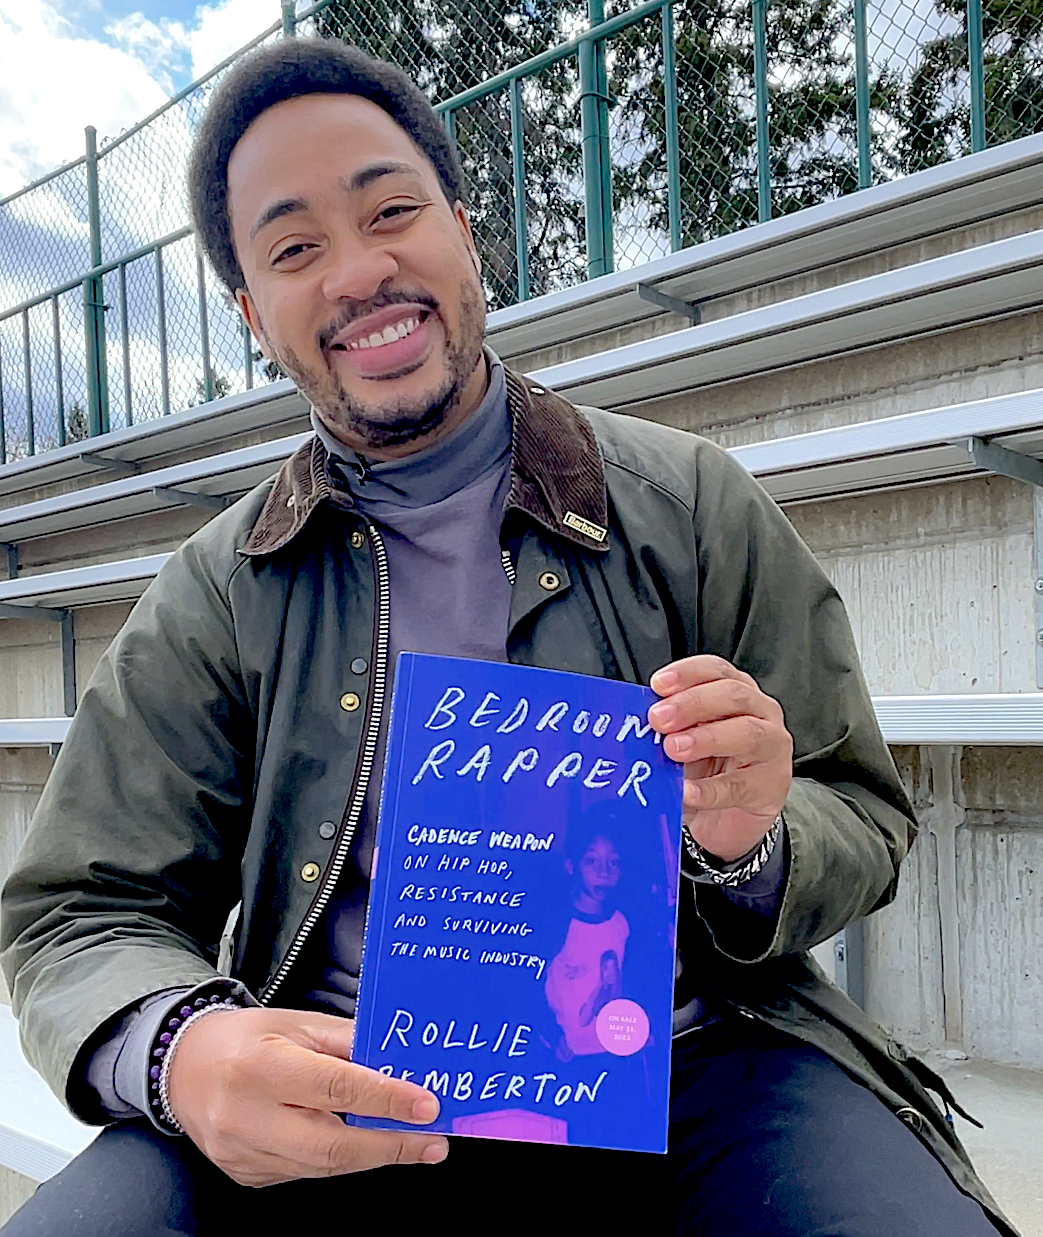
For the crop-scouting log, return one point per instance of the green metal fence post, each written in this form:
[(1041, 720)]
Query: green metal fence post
[(289, 18), (673, 135), (865, 167), (521, 224), (93, 303), (976, 66), (760, 82), (597, 183)]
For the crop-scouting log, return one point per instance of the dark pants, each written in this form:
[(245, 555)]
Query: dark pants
[(767, 1137)]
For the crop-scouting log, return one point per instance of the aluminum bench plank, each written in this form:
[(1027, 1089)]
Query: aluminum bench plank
[(82, 586), (958, 289), (38, 1137)]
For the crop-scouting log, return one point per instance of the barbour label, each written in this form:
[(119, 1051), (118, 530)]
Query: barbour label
[(594, 531)]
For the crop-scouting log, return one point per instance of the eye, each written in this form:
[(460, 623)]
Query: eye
[(291, 251), (397, 212)]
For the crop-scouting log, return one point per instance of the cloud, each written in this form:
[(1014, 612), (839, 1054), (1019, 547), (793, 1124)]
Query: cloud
[(53, 81)]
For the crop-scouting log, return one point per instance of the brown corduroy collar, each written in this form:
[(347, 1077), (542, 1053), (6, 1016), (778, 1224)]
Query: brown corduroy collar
[(557, 475)]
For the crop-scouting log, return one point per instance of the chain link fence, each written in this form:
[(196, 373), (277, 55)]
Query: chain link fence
[(683, 121)]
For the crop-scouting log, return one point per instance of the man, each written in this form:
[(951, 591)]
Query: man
[(229, 745)]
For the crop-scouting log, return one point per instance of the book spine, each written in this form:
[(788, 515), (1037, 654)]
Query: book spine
[(387, 824)]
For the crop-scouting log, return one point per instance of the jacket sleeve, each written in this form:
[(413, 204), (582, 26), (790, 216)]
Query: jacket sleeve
[(131, 864), (767, 606)]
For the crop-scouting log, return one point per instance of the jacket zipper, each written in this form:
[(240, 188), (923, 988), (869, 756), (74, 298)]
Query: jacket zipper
[(369, 749), (508, 567)]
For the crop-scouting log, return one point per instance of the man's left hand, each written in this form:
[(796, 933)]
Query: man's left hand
[(736, 751)]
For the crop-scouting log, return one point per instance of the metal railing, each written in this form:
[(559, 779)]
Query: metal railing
[(591, 141)]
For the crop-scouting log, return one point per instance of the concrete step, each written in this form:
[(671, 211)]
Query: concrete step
[(1008, 1152)]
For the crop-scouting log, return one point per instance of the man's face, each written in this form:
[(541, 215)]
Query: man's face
[(361, 280)]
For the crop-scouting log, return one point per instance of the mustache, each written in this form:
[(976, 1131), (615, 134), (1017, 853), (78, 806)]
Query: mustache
[(353, 310)]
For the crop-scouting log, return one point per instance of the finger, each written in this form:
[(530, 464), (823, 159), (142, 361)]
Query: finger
[(750, 739), (711, 702), (691, 671), (734, 789), (310, 1079), (317, 1144)]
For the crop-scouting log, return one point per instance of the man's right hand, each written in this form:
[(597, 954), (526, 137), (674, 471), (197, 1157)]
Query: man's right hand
[(257, 1091)]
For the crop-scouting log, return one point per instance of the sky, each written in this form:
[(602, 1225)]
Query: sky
[(68, 63)]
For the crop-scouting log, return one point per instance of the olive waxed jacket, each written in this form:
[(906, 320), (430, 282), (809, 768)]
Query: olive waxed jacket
[(228, 721)]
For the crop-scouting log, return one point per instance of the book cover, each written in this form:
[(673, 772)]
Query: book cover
[(519, 955)]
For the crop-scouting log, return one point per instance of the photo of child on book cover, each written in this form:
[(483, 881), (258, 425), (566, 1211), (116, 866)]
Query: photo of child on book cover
[(588, 970)]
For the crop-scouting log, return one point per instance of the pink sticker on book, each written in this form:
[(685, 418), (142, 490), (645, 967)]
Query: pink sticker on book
[(622, 1028)]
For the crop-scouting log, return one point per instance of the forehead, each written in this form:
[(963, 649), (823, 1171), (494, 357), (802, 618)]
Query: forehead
[(599, 843), (303, 146)]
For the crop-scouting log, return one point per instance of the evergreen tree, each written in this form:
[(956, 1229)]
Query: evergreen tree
[(936, 123), (811, 113)]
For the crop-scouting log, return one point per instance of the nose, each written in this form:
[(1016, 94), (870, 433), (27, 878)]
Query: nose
[(356, 270)]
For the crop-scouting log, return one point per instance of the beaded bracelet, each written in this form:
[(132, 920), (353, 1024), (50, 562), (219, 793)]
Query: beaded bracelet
[(163, 1054)]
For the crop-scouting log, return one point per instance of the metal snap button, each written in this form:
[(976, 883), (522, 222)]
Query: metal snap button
[(913, 1119), (349, 702), (327, 829), (358, 540), (359, 666), (310, 872), (550, 580)]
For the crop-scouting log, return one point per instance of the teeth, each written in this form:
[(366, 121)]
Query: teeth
[(388, 336)]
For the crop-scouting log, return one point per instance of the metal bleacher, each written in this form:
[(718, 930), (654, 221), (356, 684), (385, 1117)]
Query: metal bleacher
[(913, 208), (1002, 434)]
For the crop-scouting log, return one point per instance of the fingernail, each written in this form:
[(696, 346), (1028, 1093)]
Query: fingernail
[(662, 714), (435, 1153), (663, 680), (682, 744), (425, 1109)]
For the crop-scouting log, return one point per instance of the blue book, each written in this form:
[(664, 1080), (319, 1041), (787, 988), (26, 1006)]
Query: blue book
[(519, 954)]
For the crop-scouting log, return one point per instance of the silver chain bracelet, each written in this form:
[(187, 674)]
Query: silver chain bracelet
[(709, 865)]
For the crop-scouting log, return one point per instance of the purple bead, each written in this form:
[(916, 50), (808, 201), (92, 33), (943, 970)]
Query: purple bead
[(154, 1071), (160, 1053), (155, 1086), (199, 1002), (174, 1023), (165, 1038), (185, 1010), (215, 998), (157, 1105)]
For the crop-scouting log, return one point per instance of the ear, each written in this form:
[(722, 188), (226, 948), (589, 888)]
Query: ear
[(464, 224), (253, 321)]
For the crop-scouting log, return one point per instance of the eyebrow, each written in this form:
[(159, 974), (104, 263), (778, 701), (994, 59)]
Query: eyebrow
[(287, 206), (365, 176)]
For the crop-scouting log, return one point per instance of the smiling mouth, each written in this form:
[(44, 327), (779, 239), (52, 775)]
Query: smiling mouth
[(391, 334)]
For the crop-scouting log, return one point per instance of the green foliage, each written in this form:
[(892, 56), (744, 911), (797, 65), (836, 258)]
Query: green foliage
[(222, 387), (77, 428), (935, 117)]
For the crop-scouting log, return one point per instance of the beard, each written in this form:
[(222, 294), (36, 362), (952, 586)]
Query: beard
[(377, 426)]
